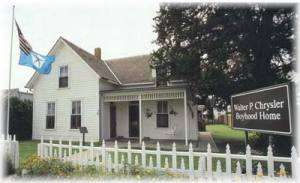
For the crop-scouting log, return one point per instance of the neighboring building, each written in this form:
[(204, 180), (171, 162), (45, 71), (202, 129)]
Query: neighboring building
[(3, 108), (112, 98), (17, 93)]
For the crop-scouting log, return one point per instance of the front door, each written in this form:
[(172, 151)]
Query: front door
[(133, 119), (113, 121)]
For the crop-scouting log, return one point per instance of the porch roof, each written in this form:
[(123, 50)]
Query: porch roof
[(151, 93)]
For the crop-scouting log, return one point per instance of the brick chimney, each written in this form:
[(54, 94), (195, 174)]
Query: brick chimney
[(97, 53)]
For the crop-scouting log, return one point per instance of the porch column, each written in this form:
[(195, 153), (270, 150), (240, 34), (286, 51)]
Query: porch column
[(185, 119), (140, 117), (101, 113)]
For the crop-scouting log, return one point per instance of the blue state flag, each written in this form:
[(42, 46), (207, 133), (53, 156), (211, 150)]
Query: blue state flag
[(41, 63)]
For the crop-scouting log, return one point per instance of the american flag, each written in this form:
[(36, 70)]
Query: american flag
[(24, 45)]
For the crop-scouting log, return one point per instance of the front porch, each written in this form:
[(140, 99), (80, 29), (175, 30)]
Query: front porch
[(133, 114)]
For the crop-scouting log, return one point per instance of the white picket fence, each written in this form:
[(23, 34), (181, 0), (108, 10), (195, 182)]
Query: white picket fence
[(10, 147), (115, 158)]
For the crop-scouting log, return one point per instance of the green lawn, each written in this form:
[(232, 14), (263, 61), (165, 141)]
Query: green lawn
[(221, 133), (225, 132), (27, 148)]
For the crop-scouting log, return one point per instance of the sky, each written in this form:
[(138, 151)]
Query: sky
[(120, 29)]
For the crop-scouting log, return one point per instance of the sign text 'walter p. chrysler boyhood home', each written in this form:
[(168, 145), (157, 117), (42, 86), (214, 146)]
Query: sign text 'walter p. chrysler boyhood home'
[(266, 110)]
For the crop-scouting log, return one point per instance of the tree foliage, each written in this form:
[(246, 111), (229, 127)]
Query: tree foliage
[(222, 50), (20, 118)]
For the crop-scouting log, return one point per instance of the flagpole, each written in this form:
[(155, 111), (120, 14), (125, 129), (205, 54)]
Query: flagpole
[(10, 67)]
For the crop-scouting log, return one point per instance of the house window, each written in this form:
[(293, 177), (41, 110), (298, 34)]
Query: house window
[(162, 116), (63, 77), (76, 115), (50, 118)]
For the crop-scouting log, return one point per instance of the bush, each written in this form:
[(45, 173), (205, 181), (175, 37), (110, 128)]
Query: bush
[(281, 144), (37, 166), (20, 118)]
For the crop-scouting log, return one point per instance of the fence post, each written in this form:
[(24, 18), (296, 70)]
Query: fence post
[(191, 160), (174, 159), (50, 148), (116, 157), (150, 162), (92, 152), (201, 166), (16, 152), (60, 148), (166, 165), (122, 165), (270, 162), (42, 147), (219, 170), (129, 153), (103, 155), (55, 153), (80, 153), (39, 149), (143, 155), (238, 171), (158, 156), (282, 172), (228, 161), (109, 163), (65, 155), (294, 158), (70, 148), (248, 162), (209, 161), (97, 159), (182, 165), (136, 160), (259, 171)]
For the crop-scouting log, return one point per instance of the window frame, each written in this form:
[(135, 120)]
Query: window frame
[(75, 114), (52, 114), (63, 77), (162, 111)]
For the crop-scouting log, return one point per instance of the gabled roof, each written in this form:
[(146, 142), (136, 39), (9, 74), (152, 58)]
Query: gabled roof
[(97, 65), (130, 70)]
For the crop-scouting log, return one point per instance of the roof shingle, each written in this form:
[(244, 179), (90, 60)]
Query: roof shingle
[(134, 69), (97, 65)]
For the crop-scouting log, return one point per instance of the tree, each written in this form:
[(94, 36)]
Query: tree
[(222, 50), (20, 118)]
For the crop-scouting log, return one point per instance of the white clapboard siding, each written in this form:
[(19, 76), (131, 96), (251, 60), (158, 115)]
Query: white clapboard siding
[(83, 84), (91, 155)]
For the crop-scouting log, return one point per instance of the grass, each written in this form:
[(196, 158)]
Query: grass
[(226, 133), (221, 133), (27, 148)]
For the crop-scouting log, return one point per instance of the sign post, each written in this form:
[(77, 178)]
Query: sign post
[(266, 110), (83, 130), (246, 139)]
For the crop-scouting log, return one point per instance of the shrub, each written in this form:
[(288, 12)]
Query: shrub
[(37, 166), (20, 118), (281, 144)]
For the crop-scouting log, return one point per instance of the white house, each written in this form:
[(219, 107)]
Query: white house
[(112, 98)]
